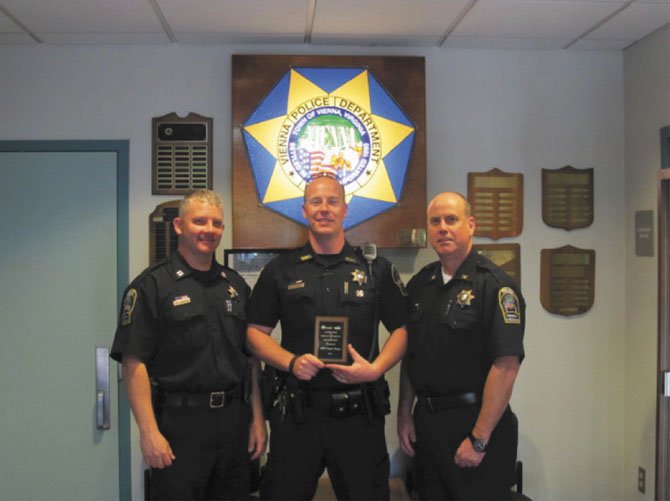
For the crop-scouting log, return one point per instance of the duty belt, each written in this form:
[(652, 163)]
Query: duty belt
[(451, 401), (211, 400)]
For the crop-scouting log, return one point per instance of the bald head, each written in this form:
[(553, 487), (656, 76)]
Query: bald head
[(452, 195)]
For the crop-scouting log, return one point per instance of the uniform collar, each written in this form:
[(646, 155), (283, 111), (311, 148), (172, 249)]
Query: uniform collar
[(181, 269), (347, 254), (465, 272)]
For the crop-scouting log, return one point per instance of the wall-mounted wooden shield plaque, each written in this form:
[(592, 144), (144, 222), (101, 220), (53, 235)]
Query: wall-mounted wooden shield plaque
[(567, 197), (567, 280), (497, 203), (507, 256)]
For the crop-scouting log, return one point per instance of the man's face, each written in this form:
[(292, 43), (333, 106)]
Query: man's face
[(450, 230), (200, 229), (324, 206)]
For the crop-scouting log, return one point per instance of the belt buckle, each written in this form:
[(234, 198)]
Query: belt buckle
[(217, 399)]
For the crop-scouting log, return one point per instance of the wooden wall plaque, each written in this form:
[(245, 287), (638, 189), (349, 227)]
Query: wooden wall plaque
[(496, 198), (255, 79), (506, 256), (567, 197), (567, 280)]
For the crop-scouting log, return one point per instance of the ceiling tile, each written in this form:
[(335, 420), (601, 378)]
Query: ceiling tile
[(510, 43), (634, 22), (104, 38), (396, 21), (85, 16), (601, 44), (257, 17), (533, 19), (16, 39)]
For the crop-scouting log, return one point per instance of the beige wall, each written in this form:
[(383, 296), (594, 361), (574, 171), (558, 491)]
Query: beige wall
[(647, 109), (520, 111)]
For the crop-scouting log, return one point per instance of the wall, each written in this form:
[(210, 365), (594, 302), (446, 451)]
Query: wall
[(647, 109), (520, 111)]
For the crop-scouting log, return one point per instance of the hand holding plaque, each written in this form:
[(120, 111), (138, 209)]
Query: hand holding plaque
[(330, 338)]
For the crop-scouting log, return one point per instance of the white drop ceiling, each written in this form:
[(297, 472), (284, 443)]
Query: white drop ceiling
[(606, 25)]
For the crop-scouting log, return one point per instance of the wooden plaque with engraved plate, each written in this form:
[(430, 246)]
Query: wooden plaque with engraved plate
[(496, 198), (567, 280)]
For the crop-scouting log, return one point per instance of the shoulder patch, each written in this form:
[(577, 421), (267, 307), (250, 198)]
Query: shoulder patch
[(509, 305), (398, 281), (129, 302)]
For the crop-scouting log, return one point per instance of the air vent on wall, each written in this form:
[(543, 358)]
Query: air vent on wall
[(182, 154), (162, 237)]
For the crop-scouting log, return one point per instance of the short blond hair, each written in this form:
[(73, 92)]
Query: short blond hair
[(206, 196)]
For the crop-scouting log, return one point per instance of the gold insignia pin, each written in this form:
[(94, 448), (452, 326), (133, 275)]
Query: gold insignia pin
[(464, 298), (232, 292), (359, 277)]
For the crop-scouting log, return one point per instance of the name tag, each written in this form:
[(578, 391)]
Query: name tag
[(298, 284), (181, 300)]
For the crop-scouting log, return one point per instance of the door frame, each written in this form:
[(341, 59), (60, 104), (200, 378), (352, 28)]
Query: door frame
[(121, 148)]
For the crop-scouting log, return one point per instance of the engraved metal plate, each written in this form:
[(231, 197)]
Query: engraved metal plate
[(497, 203), (506, 256), (567, 280), (567, 197), (330, 338)]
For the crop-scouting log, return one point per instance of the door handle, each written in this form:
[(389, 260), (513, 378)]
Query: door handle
[(102, 400)]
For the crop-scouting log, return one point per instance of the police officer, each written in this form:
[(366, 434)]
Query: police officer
[(323, 416), (181, 337), (465, 344)]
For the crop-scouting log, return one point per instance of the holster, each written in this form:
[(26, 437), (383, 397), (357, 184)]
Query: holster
[(296, 398), (270, 388), (380, 394)]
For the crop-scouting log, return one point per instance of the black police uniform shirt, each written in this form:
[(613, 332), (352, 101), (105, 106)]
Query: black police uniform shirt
[(297, 286), (456, 330), (187, 326)]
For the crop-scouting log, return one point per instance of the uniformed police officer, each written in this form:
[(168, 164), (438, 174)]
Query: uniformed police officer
[(323, 416), (181, 337), (465, 344)]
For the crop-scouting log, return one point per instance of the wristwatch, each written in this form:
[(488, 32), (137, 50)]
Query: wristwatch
[(477, 443)]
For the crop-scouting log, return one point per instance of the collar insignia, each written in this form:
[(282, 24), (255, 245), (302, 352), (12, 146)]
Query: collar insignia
[(465, 277), (306, 257), (464, 298), (180, 273), (223, 275), (350, 259), (359, 277)]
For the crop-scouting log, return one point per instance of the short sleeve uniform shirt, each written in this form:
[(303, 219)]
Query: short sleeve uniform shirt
[(187, 326), (300, 285), (456, 330)]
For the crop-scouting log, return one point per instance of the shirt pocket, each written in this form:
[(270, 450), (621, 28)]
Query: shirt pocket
[(187, 326)]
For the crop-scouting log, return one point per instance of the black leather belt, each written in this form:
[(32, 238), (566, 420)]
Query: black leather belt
[(451, 401), (212, 400)]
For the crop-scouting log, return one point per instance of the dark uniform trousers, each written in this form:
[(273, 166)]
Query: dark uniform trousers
[(439, 434), (210, 446), (352, 448)]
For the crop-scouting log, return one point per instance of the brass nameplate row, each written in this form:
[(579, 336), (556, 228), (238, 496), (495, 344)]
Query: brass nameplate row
[(567, 197), (497, 203), (567, 280), (506, 256)]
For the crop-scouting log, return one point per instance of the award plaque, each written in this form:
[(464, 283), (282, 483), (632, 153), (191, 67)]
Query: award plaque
[(567, 280), (567, 197), (506, 256), (330, 339), (496, 198)]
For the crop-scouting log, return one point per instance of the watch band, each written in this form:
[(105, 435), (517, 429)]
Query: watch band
[(477, 443)]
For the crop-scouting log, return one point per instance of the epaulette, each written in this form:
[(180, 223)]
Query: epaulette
[(495, 270)]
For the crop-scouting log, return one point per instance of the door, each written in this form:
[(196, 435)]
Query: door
[(58, 302)]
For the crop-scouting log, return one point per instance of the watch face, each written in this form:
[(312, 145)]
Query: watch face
[(479, 445)]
